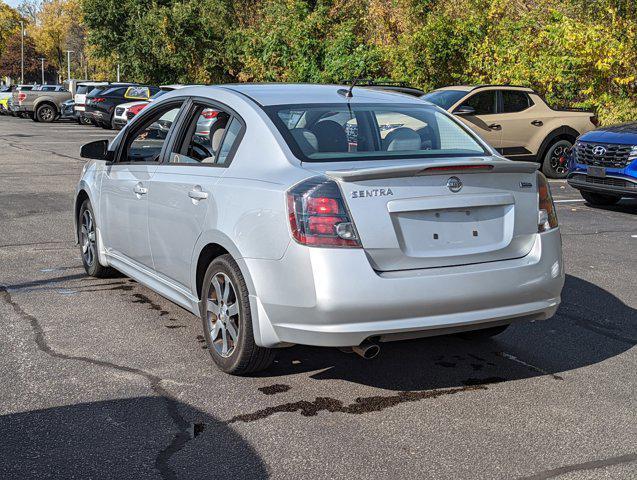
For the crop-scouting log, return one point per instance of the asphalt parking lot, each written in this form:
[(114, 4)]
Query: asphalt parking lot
[(104, 379)]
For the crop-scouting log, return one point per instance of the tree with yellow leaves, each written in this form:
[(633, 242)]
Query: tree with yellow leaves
[(59, 28), (9, 24)]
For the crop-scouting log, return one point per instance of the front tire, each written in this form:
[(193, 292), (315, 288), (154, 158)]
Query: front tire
[(227, 320), (45, 113), (87, 234), (599, 199), (555, 161)]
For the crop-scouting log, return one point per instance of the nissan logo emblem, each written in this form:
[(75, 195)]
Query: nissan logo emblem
[(454, 184), (598, 150)]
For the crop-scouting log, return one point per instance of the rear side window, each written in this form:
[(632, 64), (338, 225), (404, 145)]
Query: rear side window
[(342, 132), (484, 103), (210, 138), (514, 101), (232, 133)]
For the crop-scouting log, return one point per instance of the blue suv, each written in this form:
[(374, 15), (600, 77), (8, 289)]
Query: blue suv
[(603, 164)]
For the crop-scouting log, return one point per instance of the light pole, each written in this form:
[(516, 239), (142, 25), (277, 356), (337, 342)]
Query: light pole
[(68, 64), (42, 63), (22, 52)]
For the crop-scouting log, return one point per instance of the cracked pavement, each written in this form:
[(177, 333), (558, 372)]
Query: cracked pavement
[(104, 379)]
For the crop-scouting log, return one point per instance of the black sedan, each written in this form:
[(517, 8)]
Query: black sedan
[(100, 104)]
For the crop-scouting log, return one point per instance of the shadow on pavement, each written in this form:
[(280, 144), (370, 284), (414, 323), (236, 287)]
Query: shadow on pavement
[(625, 205), (121, 439), (590, 326)]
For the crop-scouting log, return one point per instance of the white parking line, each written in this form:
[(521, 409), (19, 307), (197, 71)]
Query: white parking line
[(569, 200)]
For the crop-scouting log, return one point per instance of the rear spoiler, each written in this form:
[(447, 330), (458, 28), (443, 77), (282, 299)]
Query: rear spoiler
[(444, 167)]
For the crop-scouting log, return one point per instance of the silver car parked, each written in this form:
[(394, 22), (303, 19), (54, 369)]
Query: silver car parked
[(280, 226)]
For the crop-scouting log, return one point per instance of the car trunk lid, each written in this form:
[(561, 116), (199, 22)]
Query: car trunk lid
[(449, 212)]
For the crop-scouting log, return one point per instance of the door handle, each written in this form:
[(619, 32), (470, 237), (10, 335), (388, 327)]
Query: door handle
[(139, 189), (495, 126), (197, 194), (537, 123)]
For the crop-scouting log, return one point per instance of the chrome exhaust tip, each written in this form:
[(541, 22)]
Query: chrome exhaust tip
[(367, 350)]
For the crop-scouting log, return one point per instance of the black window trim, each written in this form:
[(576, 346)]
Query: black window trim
[(473, 93), (178, 139), (143, 123), (501, 100), (271, 111)]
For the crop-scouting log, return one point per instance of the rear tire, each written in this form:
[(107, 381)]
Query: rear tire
[(555, 161), (87, 234), (227, 324), (107, 124), (484, 333), (45, 113), (599, 199)]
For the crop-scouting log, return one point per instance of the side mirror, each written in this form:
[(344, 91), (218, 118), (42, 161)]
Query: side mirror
[(97, 150), (464, 110)]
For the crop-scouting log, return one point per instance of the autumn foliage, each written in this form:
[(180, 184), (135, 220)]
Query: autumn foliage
[(575, 52)]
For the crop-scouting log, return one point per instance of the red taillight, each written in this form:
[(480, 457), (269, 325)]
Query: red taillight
[(209, 113), (318, 215), (322, 206), (547, 216), (135, 109), (21, 96), (98, 100), (595, 120)]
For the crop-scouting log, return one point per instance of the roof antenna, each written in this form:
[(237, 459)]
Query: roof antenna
[(348, 93)]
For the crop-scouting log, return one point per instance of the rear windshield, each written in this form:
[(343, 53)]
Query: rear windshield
[(95, 92), (159, 94), (444, 98), (342, 132), (115, 91), (84, 89)]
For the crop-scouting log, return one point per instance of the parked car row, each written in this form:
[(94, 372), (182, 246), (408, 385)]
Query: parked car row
[(516, 121)]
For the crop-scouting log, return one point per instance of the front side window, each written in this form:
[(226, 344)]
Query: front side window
[(371, 131), (146, 144), (209, 137), (514, 101), (484, 103)]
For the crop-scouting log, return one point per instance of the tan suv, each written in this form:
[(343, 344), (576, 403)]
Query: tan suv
[(517, 122)]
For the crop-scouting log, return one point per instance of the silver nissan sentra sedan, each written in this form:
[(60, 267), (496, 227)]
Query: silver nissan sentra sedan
[(319, 215)]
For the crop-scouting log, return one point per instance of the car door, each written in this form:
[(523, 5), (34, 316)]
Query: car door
[(125, 187), (520, 122), (485, 120), (182, 192)]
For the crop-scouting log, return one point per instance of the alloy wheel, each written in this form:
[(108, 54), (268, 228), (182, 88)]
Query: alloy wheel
[(46, 113), (87, 237), (558, 160), (223, 315)]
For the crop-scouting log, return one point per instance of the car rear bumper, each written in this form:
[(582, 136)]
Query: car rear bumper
[(609, 185), (332, 297)]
